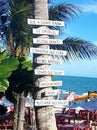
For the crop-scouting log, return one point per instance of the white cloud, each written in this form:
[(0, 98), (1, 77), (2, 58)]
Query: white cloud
[(90, 8)]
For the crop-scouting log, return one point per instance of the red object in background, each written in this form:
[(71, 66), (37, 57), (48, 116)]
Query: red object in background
[(10, 108), (71, 97)]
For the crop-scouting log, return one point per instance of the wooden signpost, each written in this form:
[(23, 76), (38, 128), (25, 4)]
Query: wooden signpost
[(64, 92), (50, 84), (45, 31), (47, 41), (43, 48), (52, 93), (45, 22), (47, 51), (51, 102), (48, 72), (47, 61), (56, 92)]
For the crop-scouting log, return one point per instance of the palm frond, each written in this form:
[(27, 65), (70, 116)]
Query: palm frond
[(77, 49), (63, 12), (4, 6), (25, 9)]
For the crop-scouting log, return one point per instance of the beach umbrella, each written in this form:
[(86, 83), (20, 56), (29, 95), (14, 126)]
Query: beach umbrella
[(90, 104), (76, 107), (71, 96)]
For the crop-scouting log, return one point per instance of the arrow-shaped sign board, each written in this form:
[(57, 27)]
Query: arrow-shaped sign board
[(50, 84), (51, 102), (45, 31), (45, 22), (47, 41), (52, 93), (48, 51), (47, 61), (48, 72)]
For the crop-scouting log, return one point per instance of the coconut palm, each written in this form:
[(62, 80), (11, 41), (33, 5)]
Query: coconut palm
[(18, 37), (44, 115)]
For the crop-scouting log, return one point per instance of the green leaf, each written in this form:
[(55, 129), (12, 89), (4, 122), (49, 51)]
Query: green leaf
[(27, 64), (3, 85), (4, 73), (10, 63), (3, 55), (7, 66)]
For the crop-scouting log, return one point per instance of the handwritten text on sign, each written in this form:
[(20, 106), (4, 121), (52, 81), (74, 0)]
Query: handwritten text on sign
[(47, 61), (48, 72), (51, 93), (50, 83), (45, 31), (45, 22), (47, 51), (56, 92), (47, 41), (50, 102)]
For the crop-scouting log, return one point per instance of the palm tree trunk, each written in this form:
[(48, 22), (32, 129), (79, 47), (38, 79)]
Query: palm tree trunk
[(16, 111), (45, 118), (21, 111)]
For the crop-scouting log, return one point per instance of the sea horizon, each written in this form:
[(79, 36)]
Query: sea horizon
[(79, 85)]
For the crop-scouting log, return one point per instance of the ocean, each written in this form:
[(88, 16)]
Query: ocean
[(79, 85)]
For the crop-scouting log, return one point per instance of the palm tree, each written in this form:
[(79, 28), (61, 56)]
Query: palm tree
[(45, 118), (18, 37)]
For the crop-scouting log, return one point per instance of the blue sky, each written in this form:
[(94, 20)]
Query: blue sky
[(84, 27)]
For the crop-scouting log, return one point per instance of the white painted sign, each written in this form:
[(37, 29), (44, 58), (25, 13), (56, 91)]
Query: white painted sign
[(51, 93), (47, 41), (47, 61), (48, 72), (45, 22), (50, 83), (45, 31), (47, 51), (64, 92), (51, 102), (55, 92)]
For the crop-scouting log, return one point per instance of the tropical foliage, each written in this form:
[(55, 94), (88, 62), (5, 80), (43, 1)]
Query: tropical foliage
[(7, 65), (20, 80)]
